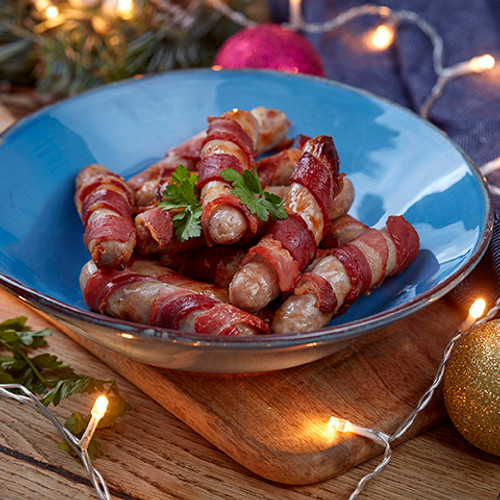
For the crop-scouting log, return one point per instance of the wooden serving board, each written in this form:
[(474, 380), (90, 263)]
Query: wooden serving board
[(276, 423)]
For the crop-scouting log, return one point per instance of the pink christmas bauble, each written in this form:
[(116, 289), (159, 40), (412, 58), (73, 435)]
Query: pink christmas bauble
[(270, 46)]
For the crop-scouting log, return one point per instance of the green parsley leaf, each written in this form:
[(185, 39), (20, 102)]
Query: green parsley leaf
[(44, 374), (248, 188), (77, 424), (181, 196)]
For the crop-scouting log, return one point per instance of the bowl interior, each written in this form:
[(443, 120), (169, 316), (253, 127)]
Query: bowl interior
[(398, 163)]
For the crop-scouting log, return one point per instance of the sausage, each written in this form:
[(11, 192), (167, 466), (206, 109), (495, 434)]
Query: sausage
[(344, 200), (341, 204), (342, 230), (164, 274), (155, 234), (339, 278), (275, 170), (273, 128), (147, 185), (104, 202), (145, 299), (230, 143), (277, 261)]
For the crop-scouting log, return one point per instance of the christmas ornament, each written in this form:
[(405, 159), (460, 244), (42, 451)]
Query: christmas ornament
[(270, 46), (471, 387)]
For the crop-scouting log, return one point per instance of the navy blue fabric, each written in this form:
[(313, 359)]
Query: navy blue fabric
[(469, 108)]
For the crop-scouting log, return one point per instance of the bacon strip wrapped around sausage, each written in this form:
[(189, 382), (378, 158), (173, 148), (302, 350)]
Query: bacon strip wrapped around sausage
[(164, 274), (216, 264), (155, 234), (104, 202), (277, 261), (276, 169), (341, 230), (230, 143), (147, 184), (145, 299), (341, 204), (339, 278)]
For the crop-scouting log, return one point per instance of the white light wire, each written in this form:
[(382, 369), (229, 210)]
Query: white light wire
[(32, 401), (444, 74), (386, 440)]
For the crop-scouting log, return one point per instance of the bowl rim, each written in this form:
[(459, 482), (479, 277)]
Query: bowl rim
[(344, 331)]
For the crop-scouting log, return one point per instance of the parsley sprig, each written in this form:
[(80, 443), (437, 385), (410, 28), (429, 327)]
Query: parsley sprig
[(44, 375), (181, 196), (249, 189)]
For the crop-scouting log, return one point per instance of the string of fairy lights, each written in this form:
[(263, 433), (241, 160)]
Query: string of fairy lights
[(79, 446), (379, 39), (335, 424)]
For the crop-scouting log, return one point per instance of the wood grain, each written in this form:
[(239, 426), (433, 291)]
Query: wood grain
[(273, 423), (153, 455)]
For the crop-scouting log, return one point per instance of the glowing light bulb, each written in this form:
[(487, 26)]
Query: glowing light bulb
[(295, 9), (97, 412), (52, 12), (125, 9), (339, 424), (482, 63), (477, 308), (100, 407), (382, 37)]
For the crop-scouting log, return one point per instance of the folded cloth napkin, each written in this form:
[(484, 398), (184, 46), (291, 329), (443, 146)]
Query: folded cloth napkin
[(468, 109)]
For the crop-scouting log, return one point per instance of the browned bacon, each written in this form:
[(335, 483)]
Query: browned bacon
[(339, 278), (230, 143), (275, 170), (148, 184), (144, 298), (276, 262), (342, 230), (216, 264), (104, 202)]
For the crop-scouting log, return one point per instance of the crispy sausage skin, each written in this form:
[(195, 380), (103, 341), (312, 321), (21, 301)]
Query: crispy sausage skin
[(147, 185), (139, 294), (290, 245), (230, 143), (104, 202), (346, 272)]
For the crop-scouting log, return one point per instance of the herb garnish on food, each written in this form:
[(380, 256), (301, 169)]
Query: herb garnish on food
[(249, 189), (181, 195), (45, 375)]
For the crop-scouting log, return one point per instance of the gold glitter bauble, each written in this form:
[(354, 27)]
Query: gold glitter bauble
[(471, 387)]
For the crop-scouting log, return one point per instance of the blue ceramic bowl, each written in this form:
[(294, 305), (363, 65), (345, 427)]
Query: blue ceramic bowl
[(399, 164)]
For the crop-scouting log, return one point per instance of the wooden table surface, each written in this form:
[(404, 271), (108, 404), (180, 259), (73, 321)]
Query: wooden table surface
[(153, 455)]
